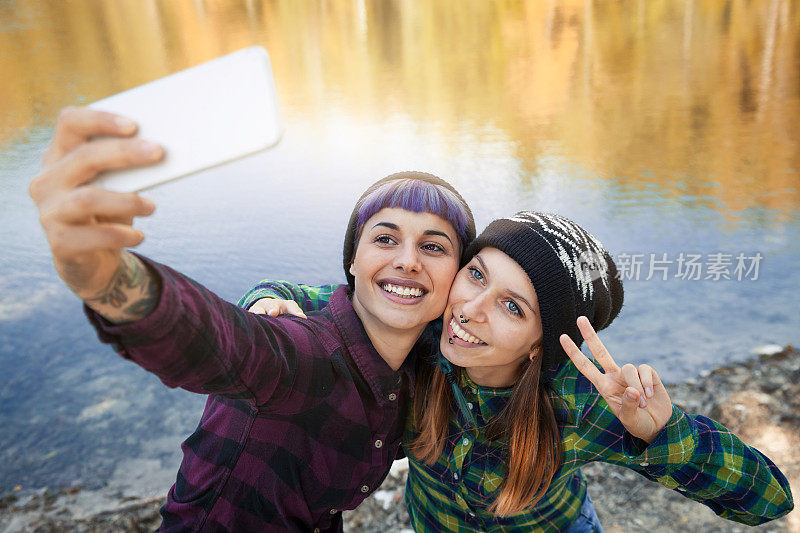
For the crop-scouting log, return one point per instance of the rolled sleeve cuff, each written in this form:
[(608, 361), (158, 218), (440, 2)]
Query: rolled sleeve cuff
[(672, 448)]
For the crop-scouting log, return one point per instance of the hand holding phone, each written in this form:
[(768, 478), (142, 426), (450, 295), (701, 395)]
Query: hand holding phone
[(87, 228), (204, 116)]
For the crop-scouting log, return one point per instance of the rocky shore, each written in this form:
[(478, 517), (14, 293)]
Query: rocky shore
[(758, 399)]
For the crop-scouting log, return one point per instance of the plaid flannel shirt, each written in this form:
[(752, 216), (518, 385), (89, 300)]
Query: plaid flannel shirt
[(693, 455), (303, 419)]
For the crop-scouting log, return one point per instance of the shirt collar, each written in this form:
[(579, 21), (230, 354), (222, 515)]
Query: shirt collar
[(489, 401), (382, 380)]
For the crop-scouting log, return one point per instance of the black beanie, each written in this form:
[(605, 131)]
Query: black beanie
[(571, 271), (350, 234)]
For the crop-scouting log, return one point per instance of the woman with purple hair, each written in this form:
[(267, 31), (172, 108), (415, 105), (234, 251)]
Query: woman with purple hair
[(304, 415)]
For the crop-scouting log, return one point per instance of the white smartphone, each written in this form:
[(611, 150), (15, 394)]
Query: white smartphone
[(203, 116)]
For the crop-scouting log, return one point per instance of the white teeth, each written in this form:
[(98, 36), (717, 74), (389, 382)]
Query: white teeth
[(406, 292), (461, 334)]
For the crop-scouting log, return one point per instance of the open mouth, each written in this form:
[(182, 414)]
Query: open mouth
[(403, 291), (463, 334)]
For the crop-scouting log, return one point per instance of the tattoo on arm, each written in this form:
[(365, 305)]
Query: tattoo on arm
[(131, 295)]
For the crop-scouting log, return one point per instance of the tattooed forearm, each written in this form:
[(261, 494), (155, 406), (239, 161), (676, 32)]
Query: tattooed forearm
[(131, 295)]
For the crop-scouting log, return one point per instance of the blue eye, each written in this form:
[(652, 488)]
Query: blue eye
[(513, 307), (476, 274)]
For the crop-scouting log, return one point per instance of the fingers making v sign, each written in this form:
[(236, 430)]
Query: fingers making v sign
[(636, 396)]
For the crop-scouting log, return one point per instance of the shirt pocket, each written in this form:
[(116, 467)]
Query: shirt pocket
[(486, 472)]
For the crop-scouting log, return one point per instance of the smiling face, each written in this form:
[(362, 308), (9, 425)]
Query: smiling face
[(497, 298), (403, 266)]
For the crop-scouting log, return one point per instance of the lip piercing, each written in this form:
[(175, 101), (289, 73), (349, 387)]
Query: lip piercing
[(463, 320), (450, 340)]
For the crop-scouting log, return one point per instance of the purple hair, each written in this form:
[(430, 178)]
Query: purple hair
[(414, 191), (420, 197)]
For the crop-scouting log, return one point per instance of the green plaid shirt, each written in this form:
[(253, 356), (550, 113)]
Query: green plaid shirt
[(693, 455), (307, 297)]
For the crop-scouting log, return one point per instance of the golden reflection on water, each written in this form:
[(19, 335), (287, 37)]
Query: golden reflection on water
[(695, 98)]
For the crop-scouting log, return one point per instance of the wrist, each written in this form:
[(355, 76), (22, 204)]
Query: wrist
[(87, 277), (129, 295)]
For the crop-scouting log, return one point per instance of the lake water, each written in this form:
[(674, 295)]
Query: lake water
[(667, 128)]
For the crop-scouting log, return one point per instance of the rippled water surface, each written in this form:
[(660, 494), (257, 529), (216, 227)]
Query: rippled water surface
[(667, 128)]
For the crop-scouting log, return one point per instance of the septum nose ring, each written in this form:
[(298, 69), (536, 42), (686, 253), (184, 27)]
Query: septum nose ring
[(463, 320)]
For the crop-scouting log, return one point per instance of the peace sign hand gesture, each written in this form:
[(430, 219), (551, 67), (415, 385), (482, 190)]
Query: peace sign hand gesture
[(637, 397)]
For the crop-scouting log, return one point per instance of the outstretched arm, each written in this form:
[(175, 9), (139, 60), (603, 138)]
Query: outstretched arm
[(195, 340), (637, 426), (166, 323), (88, 227)]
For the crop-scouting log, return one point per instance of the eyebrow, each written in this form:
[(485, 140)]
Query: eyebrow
[(395, 227), (513, 294)]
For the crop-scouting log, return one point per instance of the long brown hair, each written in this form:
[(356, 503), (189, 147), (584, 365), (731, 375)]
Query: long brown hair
[(527, 424)]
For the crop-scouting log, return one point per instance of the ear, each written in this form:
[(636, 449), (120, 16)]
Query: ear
[(352, 269), (536, 351)]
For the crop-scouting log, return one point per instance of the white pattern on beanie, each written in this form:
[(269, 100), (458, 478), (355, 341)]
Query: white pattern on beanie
[(583, 248)]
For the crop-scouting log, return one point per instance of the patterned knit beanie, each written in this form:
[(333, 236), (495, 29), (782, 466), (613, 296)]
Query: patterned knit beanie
[(571, 271), (351, 234)]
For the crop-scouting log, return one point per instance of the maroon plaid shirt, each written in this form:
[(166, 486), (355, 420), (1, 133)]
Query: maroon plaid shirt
[(303, 419)]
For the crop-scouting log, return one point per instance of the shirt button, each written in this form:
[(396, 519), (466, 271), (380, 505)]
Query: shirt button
[(644, 463), (465, 442), (378, 443), (392, 397), (334, 511), (469, 404), (455, 475), (365, 489)]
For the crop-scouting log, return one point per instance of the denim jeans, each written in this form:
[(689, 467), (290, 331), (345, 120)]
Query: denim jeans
[(587, 521)]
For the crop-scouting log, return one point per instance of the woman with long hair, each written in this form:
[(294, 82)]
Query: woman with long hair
[(509, 408)]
